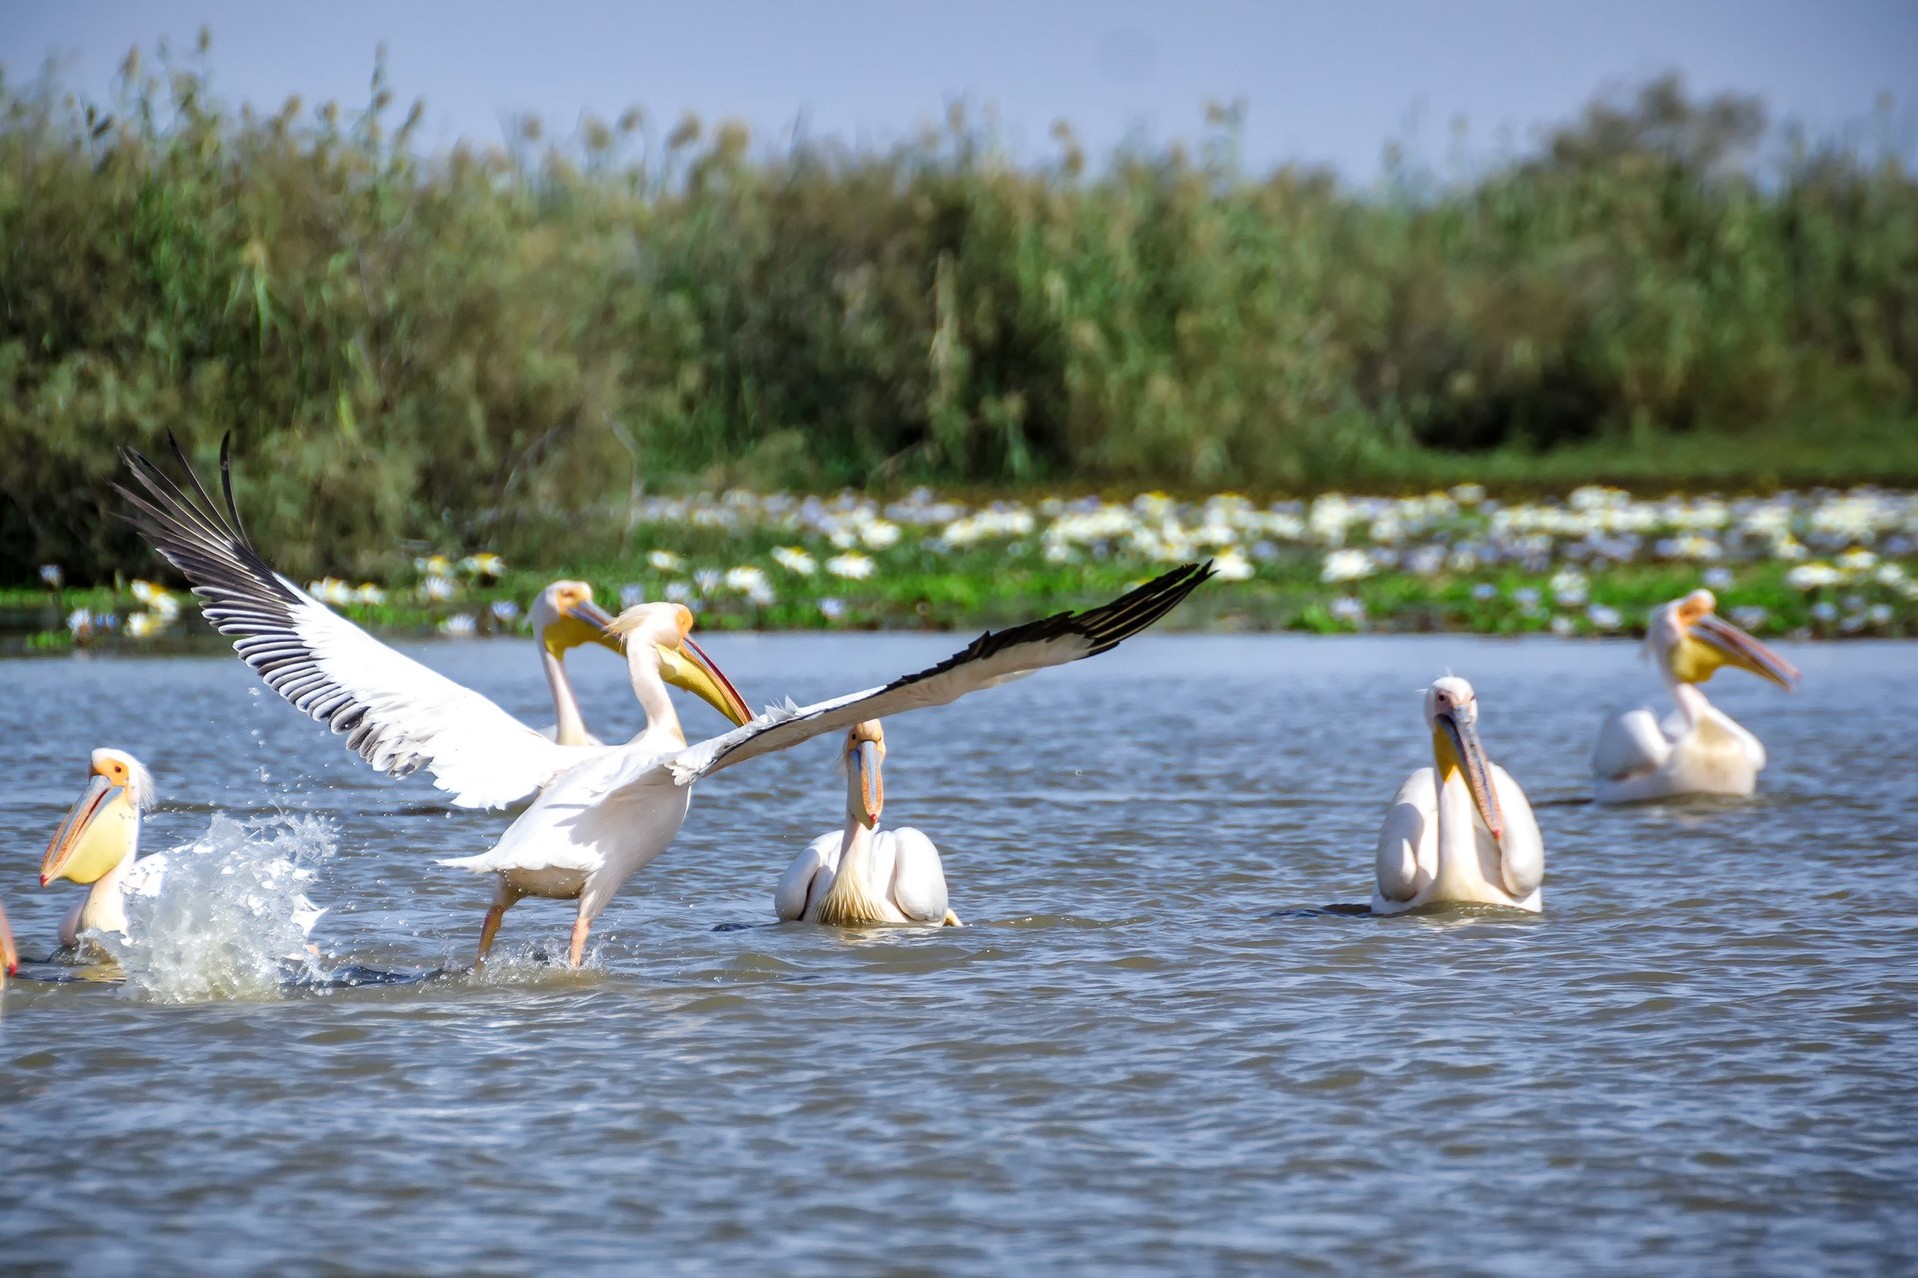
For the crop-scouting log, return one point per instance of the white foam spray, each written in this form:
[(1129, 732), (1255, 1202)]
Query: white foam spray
[(230, 917)]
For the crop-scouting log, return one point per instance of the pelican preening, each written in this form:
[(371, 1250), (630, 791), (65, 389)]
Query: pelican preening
[(1461, 830), (1699, 750), (863, 874), (99, 845), (601, 812)]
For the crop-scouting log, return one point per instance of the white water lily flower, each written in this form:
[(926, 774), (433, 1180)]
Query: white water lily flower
[(677, 592), (1346, 565), (1232, 566), (505, 610), (1749, 617), (747, 580), (1473, 494), (832, 609), (459, 626), (484, 564), (1857, 560), (80, 621), (878, 534), (856, 566), (1563, 625), (51, 577), (1570, 588), (1603, 617), (433, 566), (1347, 609), (368, 593), (665, 561), (143, 625), (707, 579), (631, 595), (437, 589), (1813, 576), (1718, 578), (795, 559)]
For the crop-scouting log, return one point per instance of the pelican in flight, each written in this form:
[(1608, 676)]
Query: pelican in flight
[(610, 815), (99, 845), (1460, 830), (398, 715), (863, 874), (1700, 749)]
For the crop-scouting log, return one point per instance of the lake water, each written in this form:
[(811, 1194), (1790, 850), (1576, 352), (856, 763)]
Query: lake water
[(1144, 1054)]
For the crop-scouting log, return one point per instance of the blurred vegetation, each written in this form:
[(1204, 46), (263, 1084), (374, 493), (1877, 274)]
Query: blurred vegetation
[(502, 347)]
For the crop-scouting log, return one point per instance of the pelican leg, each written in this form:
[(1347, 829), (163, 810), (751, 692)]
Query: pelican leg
[(581, 926), (951, 920), (503, 900)]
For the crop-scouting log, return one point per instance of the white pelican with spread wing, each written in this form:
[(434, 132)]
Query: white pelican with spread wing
[(9, 954), (399, 715), (863, 874), (608, 816), (1460, 831), (1700, 749)]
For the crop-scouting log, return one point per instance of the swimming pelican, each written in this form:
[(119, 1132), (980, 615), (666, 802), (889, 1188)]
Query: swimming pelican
[(401, 716), (564, 617), (610, 815), (863, 874), (99, 844), (1700, 750), (1461, 830)]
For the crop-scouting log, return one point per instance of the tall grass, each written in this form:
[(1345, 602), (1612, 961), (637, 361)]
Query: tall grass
[(501, 346)]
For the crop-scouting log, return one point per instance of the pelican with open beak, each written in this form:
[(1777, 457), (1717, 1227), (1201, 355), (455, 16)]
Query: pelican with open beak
[(862, 874), (99, 845), (659, 651), (1461, 830), (565, 617), (1700, 749)]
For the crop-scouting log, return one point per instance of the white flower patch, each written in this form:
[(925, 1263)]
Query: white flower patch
[(1346, 565), (795, 559), (855, 566)]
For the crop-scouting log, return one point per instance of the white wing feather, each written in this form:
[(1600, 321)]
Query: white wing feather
[(993, 658), (918, 879), (400, 715)]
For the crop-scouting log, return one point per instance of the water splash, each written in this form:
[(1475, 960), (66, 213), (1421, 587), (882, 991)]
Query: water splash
[(230, 918)]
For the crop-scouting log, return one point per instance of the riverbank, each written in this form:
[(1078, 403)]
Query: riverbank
[(1823, 564)]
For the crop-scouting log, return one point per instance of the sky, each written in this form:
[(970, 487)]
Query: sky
[(1321, 83)]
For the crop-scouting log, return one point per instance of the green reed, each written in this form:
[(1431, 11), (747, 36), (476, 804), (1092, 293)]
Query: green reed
[(501, 347)]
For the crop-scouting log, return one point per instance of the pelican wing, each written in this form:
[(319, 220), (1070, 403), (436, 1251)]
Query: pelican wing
[(918, 884), (1408, 838), (398, 714), (993, 658)]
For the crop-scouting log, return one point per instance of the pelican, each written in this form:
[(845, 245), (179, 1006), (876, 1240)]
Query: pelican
[(863, 874), (400, 715), (1700, 750), (99, 845), (9, 955), (1461, 830), (565, 617), (609, 816)]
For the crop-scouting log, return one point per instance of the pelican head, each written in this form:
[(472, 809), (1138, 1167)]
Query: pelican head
[(1691, 641), (564, 617), (660, 635), (865, 788), (1451, 711), (103, 828)]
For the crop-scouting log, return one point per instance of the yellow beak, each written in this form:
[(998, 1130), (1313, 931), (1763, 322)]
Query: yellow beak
[(872, 787), (93, 839), (1712, 642), (583, 623), (685, 666), (1460, 740)]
